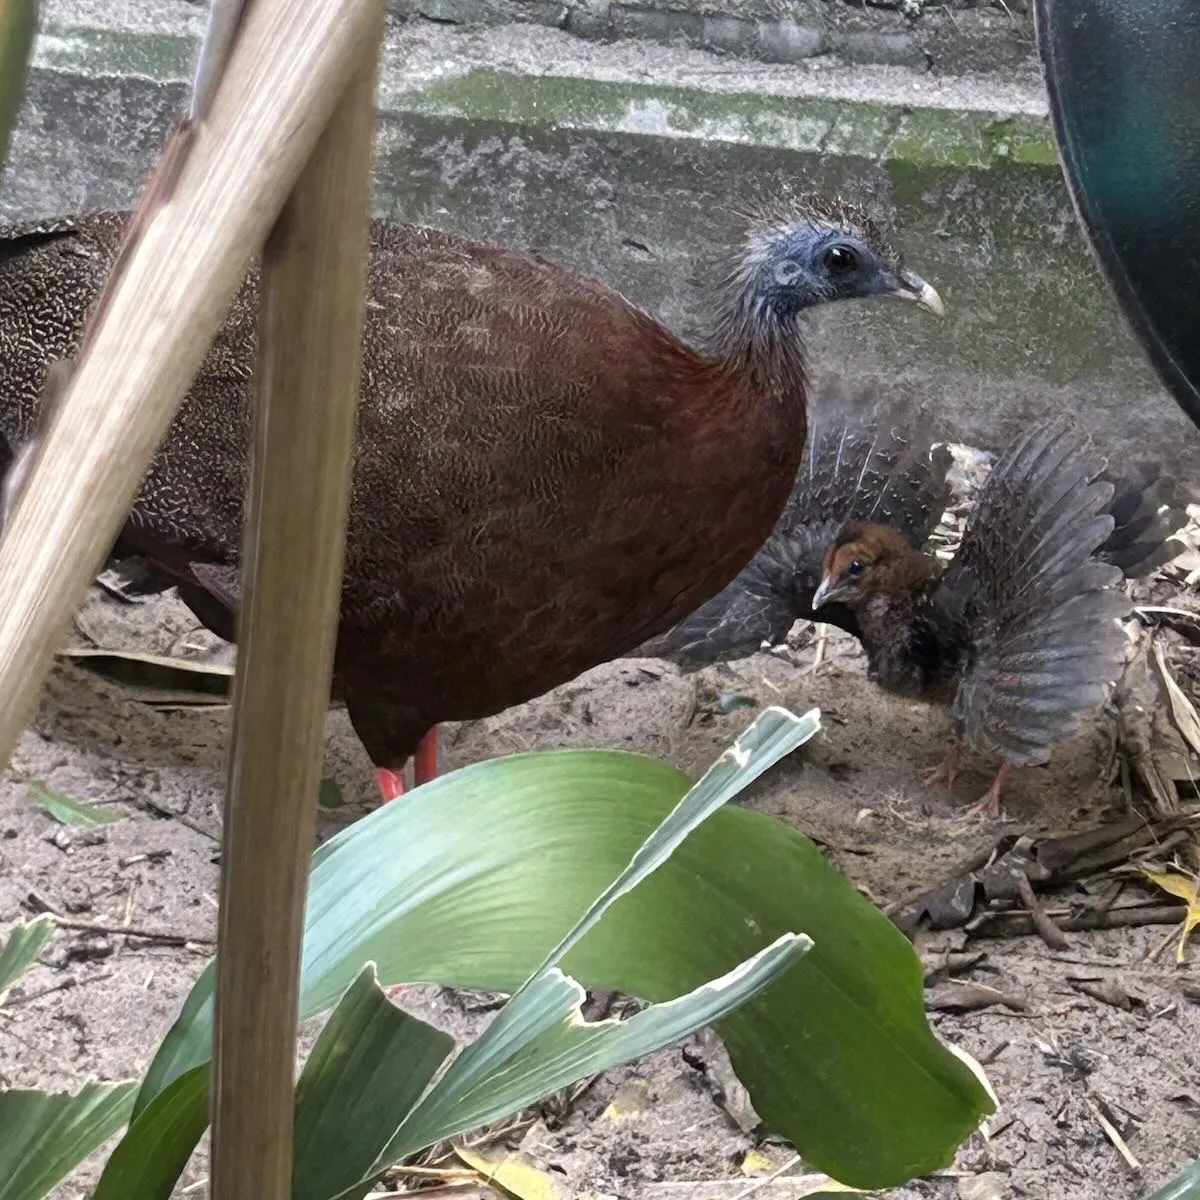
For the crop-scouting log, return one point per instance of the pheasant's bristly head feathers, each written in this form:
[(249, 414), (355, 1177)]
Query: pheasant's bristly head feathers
[(793, 257)]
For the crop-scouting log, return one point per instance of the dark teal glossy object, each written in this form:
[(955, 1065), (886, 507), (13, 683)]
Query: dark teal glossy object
[(1124, 84)]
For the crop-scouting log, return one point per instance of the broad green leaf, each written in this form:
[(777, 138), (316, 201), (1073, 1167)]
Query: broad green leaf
[(367, 1070), (18, 24), (531, 837), (147, 1163), (67, 811), (1185, 1186), (540, 1042), (773, 735), (44, 1135), (473, 879), (533, 1075), (21, 950)]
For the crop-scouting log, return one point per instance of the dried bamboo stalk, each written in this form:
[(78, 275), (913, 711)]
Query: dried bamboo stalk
[(310, 323), (289, 68)]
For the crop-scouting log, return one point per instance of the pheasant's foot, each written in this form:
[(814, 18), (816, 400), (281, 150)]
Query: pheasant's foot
[(425, 760), (945, 772), (988, 806), (391, 783)]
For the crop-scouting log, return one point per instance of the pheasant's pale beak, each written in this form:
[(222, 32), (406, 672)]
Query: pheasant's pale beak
[(913, 287)]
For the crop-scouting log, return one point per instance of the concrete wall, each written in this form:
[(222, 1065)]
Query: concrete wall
[(956, 36), (623, 158)]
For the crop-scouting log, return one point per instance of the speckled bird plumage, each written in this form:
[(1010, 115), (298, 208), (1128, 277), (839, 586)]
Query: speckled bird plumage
[(545, 475)]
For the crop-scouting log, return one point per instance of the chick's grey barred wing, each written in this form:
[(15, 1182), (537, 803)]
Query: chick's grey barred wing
[(1147, 508), (758, 606), (864, 460), (1035, 607)]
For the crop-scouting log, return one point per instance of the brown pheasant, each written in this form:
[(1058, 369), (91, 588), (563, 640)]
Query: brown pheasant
[(545, 475)]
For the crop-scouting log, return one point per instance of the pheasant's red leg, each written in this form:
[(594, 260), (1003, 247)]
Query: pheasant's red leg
[(946, 771), (989, 803), (391, 783), (391, 786), (425, 760)]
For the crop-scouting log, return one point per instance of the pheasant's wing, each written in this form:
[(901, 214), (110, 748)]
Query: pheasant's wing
[(213, 592), (1035, 607), (21, 238), (1148, 508), (864, 461)]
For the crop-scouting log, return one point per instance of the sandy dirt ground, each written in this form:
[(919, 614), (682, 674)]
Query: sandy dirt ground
[(1103, 1031)]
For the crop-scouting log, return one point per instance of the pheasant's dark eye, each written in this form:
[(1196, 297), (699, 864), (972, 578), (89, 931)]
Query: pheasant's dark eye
[(855, 567), (840, 260)]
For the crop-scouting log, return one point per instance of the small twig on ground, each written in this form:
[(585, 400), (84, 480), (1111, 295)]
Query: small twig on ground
[(500, 1132), (1111, 1132), (159, 810), (435, 1172), (971, 997), (162, 936), (821, 643), (1020, 924), (71, 981), (1107, 991), (149, 856), (1046, 928), (994, 1053)]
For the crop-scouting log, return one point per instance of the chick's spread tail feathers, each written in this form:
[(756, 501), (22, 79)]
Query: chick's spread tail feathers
[(865, 461), (1037, 606), (1147, 508)]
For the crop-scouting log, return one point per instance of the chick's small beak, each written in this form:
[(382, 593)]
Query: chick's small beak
[(825, 590), (913, 287)]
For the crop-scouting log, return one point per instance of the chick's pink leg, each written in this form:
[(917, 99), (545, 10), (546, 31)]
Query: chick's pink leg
[(945, 772), (425, 760), (989, 802)]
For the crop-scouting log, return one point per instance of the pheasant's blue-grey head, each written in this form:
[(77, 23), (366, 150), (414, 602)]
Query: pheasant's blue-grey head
[(830, 251), (787, 261)]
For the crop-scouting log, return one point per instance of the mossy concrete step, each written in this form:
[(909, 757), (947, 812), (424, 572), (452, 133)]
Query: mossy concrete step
[(627, 160)]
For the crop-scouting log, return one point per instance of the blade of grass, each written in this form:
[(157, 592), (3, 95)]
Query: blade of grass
[(21, 950), (68, 811), (46, 1135)]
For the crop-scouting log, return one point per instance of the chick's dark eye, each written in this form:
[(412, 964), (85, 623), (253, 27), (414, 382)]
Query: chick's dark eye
[(840, 260), (855, 567)]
